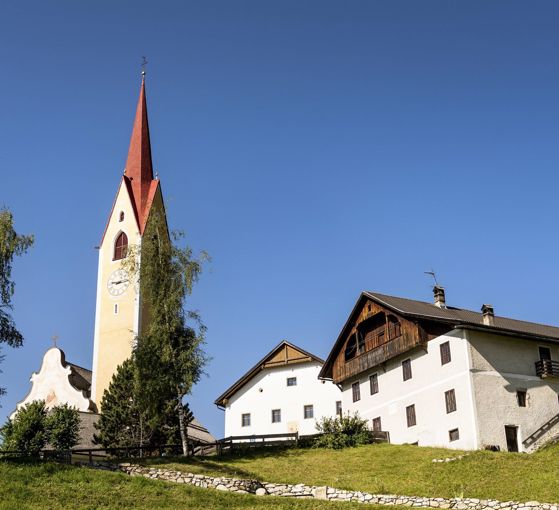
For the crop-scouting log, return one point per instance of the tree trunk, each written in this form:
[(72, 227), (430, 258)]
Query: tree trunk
[(182, 427)]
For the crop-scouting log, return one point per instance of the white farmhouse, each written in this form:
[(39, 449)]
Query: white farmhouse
[(281, 393), (434, 375)]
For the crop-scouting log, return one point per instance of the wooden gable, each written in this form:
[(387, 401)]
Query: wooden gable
[(286, 355), (373, 335)]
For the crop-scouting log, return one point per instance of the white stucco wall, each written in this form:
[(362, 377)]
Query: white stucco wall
[(268, 390), (426, 390), (51, 384), (501, 366)]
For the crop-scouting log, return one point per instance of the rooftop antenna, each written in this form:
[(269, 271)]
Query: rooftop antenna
[(432, 273), (143, 64)]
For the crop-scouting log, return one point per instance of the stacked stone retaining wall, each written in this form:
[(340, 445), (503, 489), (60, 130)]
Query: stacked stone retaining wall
[(326, 493)]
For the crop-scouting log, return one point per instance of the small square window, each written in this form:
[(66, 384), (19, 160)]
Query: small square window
[(309, 412), (450, 401), (373, 384), (292, 381), (406, 369), (410, 415), (521, 397), (377, 426), (445, 353), (356, 391), (453, 435), (276, 415), (245, 420), (339, 408)]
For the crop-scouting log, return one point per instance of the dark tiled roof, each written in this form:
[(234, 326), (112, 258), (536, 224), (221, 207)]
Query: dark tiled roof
[(458, 316), (80, 378)]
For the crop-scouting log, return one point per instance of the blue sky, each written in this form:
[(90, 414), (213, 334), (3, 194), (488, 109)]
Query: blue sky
[(313, 148)]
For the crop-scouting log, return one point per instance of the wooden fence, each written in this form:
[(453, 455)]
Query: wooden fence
[(197, 448)]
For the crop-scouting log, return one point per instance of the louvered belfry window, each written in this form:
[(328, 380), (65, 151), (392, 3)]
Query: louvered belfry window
[(121, 246)]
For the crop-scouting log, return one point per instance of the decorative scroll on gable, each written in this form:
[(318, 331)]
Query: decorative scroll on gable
[(59, 382)]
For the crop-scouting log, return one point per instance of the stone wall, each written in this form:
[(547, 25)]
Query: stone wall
[(328, 493)]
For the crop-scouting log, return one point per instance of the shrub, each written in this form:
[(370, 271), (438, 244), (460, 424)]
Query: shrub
[(26, 432), (342, 432), (63, 427)]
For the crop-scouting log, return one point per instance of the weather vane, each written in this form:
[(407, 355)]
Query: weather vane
[(54, 338), (432, 273), (144, 63)]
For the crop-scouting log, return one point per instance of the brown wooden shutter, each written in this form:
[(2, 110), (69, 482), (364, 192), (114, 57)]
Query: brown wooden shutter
[(450, 400), (410, 415), (445, 353)]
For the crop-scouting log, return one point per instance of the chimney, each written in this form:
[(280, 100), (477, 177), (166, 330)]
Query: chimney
[(488, 315), (438, 293)]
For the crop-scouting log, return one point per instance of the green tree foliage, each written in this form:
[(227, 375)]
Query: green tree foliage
[(11, 244), (342, 431), (63, 427), (26, 432), (124, 421), (169, 355)]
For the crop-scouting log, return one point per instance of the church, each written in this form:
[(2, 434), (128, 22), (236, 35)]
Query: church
[(121, 315)]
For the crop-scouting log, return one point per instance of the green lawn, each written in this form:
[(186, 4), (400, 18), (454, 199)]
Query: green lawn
[(393, 469), (56, 486)]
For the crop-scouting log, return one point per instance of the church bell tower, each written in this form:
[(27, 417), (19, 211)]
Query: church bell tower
[(119, 306)]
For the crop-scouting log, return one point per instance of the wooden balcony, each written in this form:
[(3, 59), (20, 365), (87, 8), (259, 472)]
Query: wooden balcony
[(547, 368), (374, 357)]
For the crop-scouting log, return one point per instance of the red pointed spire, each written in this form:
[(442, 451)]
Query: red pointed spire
[(139, 168)]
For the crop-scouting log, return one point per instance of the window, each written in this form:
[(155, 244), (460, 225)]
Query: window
[(309, 412), (545, 353), (245, 420), (351, 348), (453, 435), (445, 353), (276, 415), (116, 309), (410, 415), (521, 398), (450, 400), (377, 427), (121, 216), (373, 383), (406, 369), (356, 391), (121, 246), (292, 381), (339, 408)]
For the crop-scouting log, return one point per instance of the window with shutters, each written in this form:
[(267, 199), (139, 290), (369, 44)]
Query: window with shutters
[(450, 400), (356, 391), (308, 412), (521, 398), (245, 420), (445, 353), (453, 435), (121, 246), (276, 415), (410, 415), (373, 383), (406, 369), (377, 426)]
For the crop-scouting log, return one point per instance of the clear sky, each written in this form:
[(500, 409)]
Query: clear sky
[(313, 148)]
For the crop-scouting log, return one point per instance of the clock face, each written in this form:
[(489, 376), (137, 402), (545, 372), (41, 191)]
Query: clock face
[(118, 282)]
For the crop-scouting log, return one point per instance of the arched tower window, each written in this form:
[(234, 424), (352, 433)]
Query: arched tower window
[(121, 246)]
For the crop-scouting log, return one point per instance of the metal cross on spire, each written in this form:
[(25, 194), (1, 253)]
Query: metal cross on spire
[(143, 64), (54, 338)]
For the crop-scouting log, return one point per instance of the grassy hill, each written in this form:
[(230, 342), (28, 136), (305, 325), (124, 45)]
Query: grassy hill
[(54, 486), (393, 469)]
